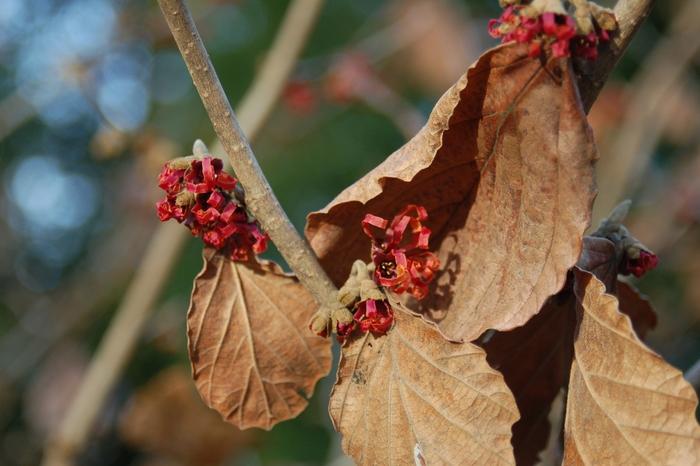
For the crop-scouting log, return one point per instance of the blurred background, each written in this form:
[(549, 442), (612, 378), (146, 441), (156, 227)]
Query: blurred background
[(94, 98)]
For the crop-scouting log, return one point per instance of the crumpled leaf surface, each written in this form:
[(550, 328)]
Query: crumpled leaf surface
[(626, 405), (253, 358), (504, 167), (535, 360), (412, 396)]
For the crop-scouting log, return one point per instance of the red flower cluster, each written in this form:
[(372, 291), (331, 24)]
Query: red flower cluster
[(646, 261), (548, 31), (402, 264), (198, 194), (402, 261), (373, 315)]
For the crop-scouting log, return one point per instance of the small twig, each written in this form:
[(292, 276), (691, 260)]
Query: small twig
[(160, 257), (630, 15), (631, 150), (259, 196)]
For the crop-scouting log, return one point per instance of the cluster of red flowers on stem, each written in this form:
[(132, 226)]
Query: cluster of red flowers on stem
[(199, 194), (547, 31), (402, 264)]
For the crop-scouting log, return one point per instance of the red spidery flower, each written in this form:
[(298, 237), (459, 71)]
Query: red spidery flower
[(373, 315), (198, 194), (646, 261), (551, 31), (402, 261)]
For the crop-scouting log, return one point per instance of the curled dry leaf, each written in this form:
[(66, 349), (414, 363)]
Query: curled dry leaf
[(253, 358), (504, 167), (599, 256), (412, 396), (642, 408), (535, 360), (166, 418)]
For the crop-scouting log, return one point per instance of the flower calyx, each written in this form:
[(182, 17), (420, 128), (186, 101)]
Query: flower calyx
[(633, 257), (210, 203)]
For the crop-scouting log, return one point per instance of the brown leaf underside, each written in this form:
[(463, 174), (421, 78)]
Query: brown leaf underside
[(412, 392), (504, 166), (642, 408), (253, 359), (637, 307), (535, 360)]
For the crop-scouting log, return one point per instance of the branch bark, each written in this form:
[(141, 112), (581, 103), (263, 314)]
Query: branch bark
[(163, 250), (630, 15), (259, 196)]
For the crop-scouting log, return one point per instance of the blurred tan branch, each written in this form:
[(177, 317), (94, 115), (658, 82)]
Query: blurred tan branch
[(14, 112), (164, 248), (630, 152)]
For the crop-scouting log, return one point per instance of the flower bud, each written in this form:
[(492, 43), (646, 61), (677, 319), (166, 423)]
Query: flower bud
[(184, 198), (320, 323), (349, 293), (341, 316)]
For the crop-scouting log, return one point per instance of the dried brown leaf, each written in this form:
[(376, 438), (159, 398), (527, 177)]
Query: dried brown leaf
[(167, 418), (413, 396), (637, 307), (535, 360), (625, 405), (504, 166), (253, 359)]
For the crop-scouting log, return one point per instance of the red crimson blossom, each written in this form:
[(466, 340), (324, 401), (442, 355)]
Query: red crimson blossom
[(373, 315), (548, 31), (198, 194), (646, 261), (400, 251)]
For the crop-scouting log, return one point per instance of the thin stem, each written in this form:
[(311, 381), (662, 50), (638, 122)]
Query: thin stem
[(161, 256), (259, 196)]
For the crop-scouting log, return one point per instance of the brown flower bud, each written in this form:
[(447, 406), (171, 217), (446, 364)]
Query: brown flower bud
[(605, 17), (349, 293), (181, 163), (320, 323), (184, 198), (341, 316)]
